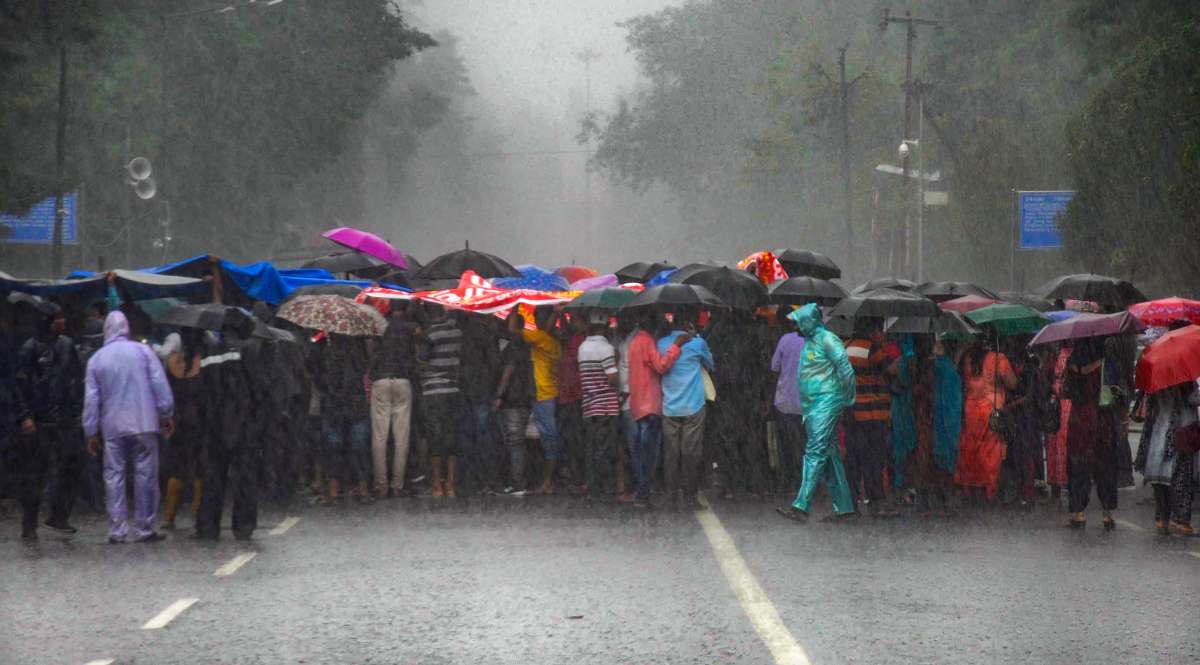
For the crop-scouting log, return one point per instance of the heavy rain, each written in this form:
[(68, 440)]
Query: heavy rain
[(599, 331)]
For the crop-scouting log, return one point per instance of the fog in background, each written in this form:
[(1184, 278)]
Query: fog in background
[(505, 170)]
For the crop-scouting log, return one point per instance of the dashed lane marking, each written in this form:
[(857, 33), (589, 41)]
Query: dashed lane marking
[(1129, 525), (102, 661), (283, 526), (1195, 554), (234, 564), (758, 608), (168, 615)]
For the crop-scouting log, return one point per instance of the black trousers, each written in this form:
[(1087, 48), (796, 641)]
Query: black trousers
[(1098, 466), (29, 457), (735, 438), (792, 440), (600, 441), (867, 451), (246, 462)]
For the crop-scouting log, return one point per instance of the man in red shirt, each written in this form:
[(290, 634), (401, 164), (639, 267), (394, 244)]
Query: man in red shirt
[(646, 369)]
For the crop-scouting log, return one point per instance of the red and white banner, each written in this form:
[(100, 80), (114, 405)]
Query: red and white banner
[(475, 294)]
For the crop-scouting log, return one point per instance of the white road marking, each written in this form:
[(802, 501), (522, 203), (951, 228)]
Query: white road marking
[(1195, 554), (283, 526), (103, 661), (233, 564), (168, 615), (1129, 525), (758, 608)]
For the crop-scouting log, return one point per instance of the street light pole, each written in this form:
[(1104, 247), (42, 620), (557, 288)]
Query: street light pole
[(60, 147), (920, 187)]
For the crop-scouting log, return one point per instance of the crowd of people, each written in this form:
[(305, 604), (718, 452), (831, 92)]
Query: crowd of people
[(640, 406)]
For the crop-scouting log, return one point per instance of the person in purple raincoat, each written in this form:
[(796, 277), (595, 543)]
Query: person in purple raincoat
[(128, 402)]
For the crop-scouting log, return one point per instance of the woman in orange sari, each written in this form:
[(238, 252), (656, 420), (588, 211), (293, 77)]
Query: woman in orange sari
[(986, 376)]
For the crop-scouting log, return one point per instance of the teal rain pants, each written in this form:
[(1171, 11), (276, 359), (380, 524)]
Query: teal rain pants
[(821, 457)]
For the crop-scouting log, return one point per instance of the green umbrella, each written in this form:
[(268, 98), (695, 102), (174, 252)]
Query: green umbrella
[(609, 298), (156, 308), (1009, 319)]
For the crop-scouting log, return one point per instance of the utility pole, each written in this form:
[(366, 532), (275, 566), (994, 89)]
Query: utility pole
[(587, 56), (844, 93), (910, 23), (60, 147)]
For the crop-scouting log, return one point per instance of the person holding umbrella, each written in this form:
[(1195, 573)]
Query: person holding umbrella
[(825, 383), (987, 376), (684, 409), (1091, 451)]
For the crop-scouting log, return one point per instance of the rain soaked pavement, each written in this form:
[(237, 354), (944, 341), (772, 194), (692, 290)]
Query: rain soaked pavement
[(549, 580)]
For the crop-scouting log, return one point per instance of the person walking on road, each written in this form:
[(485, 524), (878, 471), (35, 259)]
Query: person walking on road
[(825, 383), (128, 400), (49, 381)]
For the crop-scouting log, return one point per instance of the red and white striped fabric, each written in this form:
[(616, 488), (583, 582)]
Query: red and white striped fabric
[(474, 294)]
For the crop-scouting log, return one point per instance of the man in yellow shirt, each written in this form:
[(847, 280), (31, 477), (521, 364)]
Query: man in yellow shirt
[(545, 350)]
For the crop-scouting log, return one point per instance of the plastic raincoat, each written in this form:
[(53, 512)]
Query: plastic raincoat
[(825, 383)]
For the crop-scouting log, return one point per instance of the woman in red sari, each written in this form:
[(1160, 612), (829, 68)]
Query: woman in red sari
[(1056, 442), (986, 376)]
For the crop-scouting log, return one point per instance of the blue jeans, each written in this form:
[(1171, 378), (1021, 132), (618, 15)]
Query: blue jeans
[(643, 454), (543, 417), (348, 450)]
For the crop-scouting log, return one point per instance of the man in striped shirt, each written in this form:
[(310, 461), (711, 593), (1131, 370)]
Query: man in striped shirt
[(598, 379), (441, 403), (867, 441)]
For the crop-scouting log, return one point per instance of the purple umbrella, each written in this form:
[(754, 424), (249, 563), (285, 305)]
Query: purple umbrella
[(1089, 325), (367, 243)]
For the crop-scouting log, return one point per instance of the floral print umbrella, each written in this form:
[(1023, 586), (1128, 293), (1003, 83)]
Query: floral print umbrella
[(333, 314)]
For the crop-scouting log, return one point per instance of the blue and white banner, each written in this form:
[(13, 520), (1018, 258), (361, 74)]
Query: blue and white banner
[(36, 227), (1037, 215)]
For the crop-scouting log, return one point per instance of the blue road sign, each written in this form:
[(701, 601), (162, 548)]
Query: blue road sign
[(1038, 213), (36, 227)]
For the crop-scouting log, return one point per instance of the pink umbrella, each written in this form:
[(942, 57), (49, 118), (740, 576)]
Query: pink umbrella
[(598, 282), (367, 243), (965, 304)]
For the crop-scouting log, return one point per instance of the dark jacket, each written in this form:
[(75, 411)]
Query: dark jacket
[(49, 381)]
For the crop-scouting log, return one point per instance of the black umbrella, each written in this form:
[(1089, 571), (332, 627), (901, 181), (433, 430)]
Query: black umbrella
[(676, 295), (952, 325), (347, 262), (943, 291), (894, 283), (803, 263), (885, 303), (682, 274), (1106, 291), (219, 318), (641, 272), (803, 290), (43, 306), (736, 288), (1028, 299), (454, 264)]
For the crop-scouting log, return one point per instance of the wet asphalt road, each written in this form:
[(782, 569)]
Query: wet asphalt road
[(549, 580)]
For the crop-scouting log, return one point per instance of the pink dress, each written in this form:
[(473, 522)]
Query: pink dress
[(1056, 444)]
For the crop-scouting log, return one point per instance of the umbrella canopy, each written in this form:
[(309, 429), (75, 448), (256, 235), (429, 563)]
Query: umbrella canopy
[(1166, 311), (681, 275), (1028, 299), (367, 243), (346, 262), (966, 304), (333, 314), (885, 303), (1172, 359), (942, 291), (454, 264), (1009, 319), (641, 271), (804, 263), (219, 318), (1089, 325), (608, 298), (947, 325), (676, 295), (576, 273), (533, 277), (736, 288), (343, 290), (1061, 314), (894, 283), (803, 290), (597, 282), (1108, 291)]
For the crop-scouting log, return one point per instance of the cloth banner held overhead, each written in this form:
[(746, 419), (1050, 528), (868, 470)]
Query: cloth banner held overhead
[(476, 294), (765, 267)]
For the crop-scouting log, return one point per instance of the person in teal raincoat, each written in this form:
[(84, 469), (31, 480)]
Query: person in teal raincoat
[(825, 382)]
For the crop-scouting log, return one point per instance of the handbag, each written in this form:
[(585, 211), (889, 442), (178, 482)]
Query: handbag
[(1000, 421), (710, 388), (1051, 415), (1140, 406)]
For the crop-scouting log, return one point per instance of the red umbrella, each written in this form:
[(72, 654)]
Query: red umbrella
[(575, 273), (966, 304), (1167, 311), (1173, 359)]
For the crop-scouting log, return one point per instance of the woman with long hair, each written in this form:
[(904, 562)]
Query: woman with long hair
[(1091, 452)]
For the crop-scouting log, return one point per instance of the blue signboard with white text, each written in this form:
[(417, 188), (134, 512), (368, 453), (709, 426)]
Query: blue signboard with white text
[(1038, 214), (36, 227)]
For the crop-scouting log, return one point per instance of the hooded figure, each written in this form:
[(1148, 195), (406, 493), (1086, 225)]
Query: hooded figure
[(127, 399), (825, 384)]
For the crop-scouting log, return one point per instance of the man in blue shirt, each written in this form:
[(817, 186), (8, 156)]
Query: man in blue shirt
[(684, 410)]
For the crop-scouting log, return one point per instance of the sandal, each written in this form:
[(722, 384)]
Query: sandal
[(1109, 524), (1182, 529), (792, 513)]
